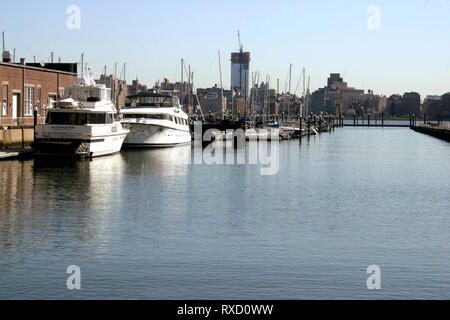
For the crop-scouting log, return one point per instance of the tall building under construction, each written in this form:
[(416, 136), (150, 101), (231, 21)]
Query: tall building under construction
[(240, 64)]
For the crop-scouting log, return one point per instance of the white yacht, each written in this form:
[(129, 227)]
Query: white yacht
[(155, 120), (84, 123)]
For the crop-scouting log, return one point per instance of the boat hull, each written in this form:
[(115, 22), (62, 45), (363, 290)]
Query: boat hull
[(93, 147), (154, 136)]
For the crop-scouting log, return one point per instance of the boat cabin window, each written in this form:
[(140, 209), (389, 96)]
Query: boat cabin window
[(151, 101), (78, 118), (147, 116)]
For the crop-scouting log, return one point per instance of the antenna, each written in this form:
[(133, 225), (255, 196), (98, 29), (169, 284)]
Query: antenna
[(3, 38)]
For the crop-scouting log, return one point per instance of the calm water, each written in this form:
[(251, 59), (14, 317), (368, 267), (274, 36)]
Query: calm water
[(145, 225)]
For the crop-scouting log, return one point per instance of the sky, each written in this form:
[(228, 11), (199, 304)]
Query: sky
[(402, 46)]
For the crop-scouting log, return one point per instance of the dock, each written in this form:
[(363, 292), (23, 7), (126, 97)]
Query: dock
[(11, 154), (438, 131)]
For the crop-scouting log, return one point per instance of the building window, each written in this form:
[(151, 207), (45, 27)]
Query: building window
[(5, 100), (29, 101), (38, 100)]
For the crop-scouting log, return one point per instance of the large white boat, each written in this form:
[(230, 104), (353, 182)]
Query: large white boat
[(155, 120), (84, 123)]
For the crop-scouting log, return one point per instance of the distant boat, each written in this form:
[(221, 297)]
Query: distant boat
[(272, 124), (84, 123), (155, 120), (262, 134)]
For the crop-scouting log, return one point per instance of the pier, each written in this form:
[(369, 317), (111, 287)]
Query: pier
[(437, 131), (11, 154)]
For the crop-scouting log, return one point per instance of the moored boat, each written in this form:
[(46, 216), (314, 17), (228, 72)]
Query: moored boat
[(155, 120), (85, 123)]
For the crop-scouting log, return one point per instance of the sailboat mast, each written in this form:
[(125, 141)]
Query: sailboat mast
[(221, 83)]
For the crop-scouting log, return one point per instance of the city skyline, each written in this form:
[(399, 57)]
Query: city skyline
[(392, 58)]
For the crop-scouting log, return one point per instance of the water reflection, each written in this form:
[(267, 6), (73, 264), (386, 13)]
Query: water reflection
[(160, 161), (73, 204)]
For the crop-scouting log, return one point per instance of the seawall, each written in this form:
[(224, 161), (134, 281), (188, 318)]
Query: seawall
[(441, 132)]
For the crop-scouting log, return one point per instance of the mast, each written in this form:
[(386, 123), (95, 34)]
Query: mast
[(182, 70), (290, 75), (82, 65), (307, 98), (190, 86), (114, 84), (221, 84), (304, 81)]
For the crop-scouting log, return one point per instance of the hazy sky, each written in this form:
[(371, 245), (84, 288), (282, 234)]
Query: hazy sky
[(409, 52)]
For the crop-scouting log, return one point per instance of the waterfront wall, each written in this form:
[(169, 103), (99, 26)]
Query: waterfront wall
[(438, 132), (16, 137)]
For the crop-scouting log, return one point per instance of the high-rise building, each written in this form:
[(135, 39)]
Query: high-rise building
[(240, 65)]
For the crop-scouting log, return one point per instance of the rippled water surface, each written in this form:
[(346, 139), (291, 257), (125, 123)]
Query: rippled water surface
[(146, 225)]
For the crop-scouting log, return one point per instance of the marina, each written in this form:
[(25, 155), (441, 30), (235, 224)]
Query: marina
[(215, 158)]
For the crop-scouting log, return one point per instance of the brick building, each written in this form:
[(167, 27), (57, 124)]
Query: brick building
[(211, 101), (406, 105), (337, 97), (437, 107), (25, 87)]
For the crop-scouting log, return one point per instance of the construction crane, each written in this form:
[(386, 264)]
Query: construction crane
[(241, 47)]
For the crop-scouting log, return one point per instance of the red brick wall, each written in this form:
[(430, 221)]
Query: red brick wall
[(49, 81)]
